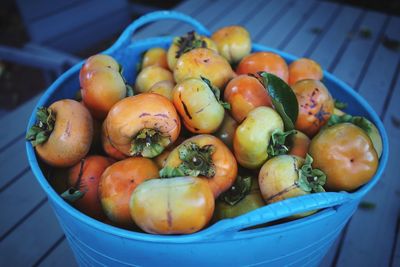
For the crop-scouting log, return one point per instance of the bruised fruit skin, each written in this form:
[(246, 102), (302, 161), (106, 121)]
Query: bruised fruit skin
[(180, 205), (156, 56), (316, 106), (303, 69), (207, 157), (164, 88), (196, 103), (233, 43), (71, 137), (101, 90), (252, 136), (143, 124), (117, 184), (244, 93), (85, 176), (151, 75), (203, 62), (346, 154), (264, 61), (98, 61)]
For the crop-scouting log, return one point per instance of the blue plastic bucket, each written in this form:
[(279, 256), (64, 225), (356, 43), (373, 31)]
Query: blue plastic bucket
[(301, 242)]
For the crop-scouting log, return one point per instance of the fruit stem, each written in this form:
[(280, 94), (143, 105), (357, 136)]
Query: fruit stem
[(41, 130), (239, 190), (311, 180), (149, 143)]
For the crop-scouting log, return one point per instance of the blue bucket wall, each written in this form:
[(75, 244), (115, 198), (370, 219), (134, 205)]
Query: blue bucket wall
[(301, 242)]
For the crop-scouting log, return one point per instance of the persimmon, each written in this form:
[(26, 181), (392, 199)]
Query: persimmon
[(180, 205), (155, 56), (206, 63), (233, 42), (315, 106), (199, 107), (117, 184), (346, 154), (63, 133), (264, 61), (304, 68), (299, 144), (227, 130), (83, 180), (143, 125), (244, 93), (204, 156), (185, 43), (151, 75)]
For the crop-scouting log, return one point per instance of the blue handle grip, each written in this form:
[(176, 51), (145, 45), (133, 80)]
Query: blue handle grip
[(125, 39), (276, 211)]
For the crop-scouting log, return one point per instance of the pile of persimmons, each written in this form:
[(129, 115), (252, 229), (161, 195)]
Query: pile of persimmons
[(208, 131)]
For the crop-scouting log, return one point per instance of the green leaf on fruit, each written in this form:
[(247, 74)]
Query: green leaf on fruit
[(340, 105), (239, 190), (277, 145), (189, 42), (196, 160), (359, 121), (311, 180), (283, 98), (41, 130), (217, 93), (168, 172)]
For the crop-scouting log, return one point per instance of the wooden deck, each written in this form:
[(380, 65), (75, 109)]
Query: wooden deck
[(323, 31)]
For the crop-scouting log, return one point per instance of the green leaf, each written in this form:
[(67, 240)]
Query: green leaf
[(196, 160), (359, 121), (311, 180), (168, 172), (283, 98), (277, 145), (239, 190), (340, 105)]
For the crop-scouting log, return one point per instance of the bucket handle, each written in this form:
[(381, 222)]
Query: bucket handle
[(276, 211), (125, 38)]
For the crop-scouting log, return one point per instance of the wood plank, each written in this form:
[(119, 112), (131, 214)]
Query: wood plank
[(18, 200), (292, 18), (60, 23), (31, 10), (264, 18), (372, 229), (61, 256), (169, 27), (30, 240), (16, 122), (15, 153), (332, 40), (350, 65), (304, 37), (396, 252)]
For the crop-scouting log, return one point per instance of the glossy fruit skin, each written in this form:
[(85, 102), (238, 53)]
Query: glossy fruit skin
[(117, 184), (92, 169), (250, 202), (226, 131), (98, 61), (315, 106), (203, 62), (155, 56), (278, 177), (244, 93), (174, 48), (196, 103), (304, 68), (264, 61), (233, 42), (180, 205), (252, 137), (299, 144), (71, 137), (101, 90), (346, 154), (151, 75), (164, 88), (135, 113), (223, 160), (110, 150)]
